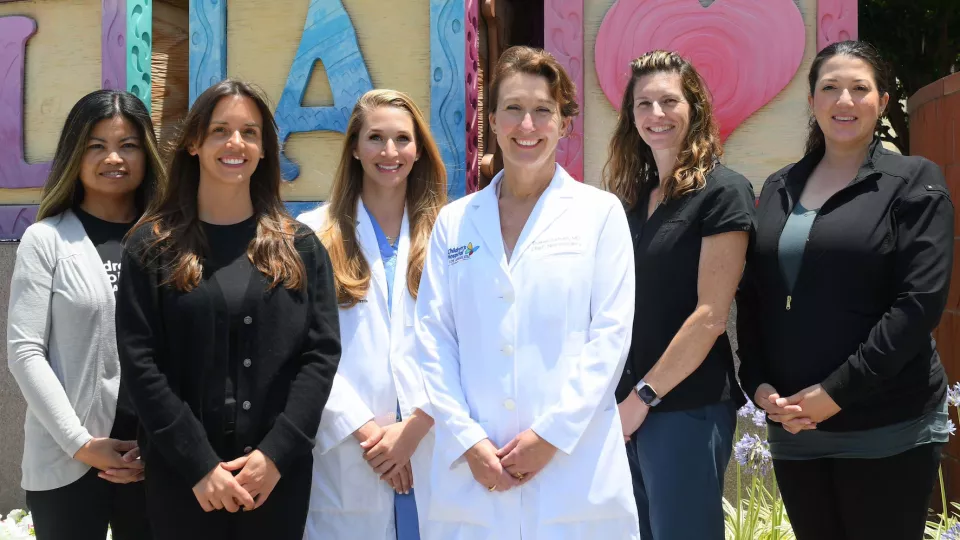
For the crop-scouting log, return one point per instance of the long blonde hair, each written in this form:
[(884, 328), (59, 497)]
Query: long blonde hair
[(63, 188), (426, 194), (630, 160)]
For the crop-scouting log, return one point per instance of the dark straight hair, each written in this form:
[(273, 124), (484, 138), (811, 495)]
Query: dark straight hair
[(63, 188), (856, 49)]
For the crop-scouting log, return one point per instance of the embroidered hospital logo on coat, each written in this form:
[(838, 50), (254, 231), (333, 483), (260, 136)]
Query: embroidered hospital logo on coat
[(462, 253)]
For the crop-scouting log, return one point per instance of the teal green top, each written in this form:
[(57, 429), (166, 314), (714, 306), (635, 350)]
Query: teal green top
[(793, 241), (881, 442)]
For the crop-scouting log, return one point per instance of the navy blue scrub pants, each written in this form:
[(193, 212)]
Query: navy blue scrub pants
[(678, 460)]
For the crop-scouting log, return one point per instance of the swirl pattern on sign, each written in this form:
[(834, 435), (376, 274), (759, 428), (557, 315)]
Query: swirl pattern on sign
[(472, 17), (836, 21), (113, 44), (208, 45), (563, 37), (747, 51), (328, 36), (139, 48), (448, 91)]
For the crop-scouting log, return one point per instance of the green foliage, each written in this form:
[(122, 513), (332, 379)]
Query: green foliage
[(921, 41)]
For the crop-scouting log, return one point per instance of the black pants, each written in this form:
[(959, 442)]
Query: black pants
[(175, 513), (82, 510), (852, 499)]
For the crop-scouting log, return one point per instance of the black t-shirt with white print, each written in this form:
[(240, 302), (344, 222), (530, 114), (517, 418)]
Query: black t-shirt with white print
[(107, 237)]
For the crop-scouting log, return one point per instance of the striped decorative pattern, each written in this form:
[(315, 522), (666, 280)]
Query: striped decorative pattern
[(448, 90)]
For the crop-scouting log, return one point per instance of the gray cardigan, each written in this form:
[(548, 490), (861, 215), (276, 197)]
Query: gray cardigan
[(61, 348)]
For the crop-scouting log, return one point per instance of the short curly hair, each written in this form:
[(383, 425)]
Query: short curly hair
[(522, 59)]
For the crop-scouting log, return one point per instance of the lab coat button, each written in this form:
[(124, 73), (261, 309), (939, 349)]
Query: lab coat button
[(508, 297), (247, 362), (507, 349), (248, 320), (509, 404), (246, 405)]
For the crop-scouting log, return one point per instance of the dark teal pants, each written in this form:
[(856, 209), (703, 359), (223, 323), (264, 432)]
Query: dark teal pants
[(678, 460)]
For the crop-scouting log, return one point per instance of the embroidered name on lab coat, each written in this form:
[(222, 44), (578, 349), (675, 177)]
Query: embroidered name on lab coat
[(557, 244), (461, 253)]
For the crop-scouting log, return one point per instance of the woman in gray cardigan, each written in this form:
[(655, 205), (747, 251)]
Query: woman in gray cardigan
[(81, 469)]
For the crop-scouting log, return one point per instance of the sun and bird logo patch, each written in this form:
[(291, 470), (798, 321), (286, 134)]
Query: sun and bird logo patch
[(461, 253)]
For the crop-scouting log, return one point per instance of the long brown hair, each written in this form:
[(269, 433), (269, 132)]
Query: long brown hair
[(630, 161), (426, 194), (175, 222), (63, 188)]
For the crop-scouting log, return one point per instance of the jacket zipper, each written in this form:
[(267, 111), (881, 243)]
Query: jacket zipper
[(791, 204)]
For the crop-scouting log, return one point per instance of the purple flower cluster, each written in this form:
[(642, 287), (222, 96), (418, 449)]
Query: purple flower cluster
[(953, 395), (757, 416), (953, 533), (753, 453)]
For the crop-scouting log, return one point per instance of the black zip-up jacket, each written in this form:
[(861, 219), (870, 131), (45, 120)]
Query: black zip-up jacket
[(872, 286), (174, 350)]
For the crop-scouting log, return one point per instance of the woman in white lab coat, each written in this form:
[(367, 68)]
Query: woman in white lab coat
[(374, 439), (523, 323)]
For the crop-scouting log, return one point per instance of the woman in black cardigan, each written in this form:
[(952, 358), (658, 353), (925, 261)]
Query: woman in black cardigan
[(848, 278), (228, 334)]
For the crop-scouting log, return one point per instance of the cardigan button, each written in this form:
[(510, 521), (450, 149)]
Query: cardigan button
[(247, 362), (246, 405), (247, 320), (248, 449)]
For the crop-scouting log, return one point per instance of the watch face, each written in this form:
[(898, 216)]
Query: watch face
[(646, 394)]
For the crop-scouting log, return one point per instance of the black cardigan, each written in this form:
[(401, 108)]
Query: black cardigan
[(872, 286), (173, 352)]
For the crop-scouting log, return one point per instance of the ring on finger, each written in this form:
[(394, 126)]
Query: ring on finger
[(492, 488), (518, 476)]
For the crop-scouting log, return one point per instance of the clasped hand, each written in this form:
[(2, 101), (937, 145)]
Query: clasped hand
[(118, 461), (249, 489), (803, 410), (388, 449), (515, 464)]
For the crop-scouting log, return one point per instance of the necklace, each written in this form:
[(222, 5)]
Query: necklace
[(392, 240)]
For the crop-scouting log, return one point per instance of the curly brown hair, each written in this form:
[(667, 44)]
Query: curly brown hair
[(630, 160)]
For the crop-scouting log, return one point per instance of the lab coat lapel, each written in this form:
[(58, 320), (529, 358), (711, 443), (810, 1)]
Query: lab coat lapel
[(552, 204), (371, 250), (484, 213), (397, 313)]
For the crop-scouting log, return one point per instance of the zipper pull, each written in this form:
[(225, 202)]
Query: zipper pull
[(789, 299)]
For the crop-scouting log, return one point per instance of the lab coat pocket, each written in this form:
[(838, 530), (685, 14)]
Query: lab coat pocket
[(344, 482), (455, 495), (592, 483)]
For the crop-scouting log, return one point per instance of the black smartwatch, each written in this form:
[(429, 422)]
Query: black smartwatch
[(647, 394)]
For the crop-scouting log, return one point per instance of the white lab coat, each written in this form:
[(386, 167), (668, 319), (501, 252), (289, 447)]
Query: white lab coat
[(537, 342), (348, 500)]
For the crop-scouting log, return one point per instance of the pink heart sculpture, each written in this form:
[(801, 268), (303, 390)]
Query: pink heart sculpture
[(746, 50)]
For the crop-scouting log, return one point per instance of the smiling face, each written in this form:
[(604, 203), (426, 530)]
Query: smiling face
[(114, 162), (846, 101), (527, 122), (233, 144), (660, 111), (387, 146)]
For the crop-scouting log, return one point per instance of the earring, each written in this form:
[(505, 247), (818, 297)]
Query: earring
[(356, 156)]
